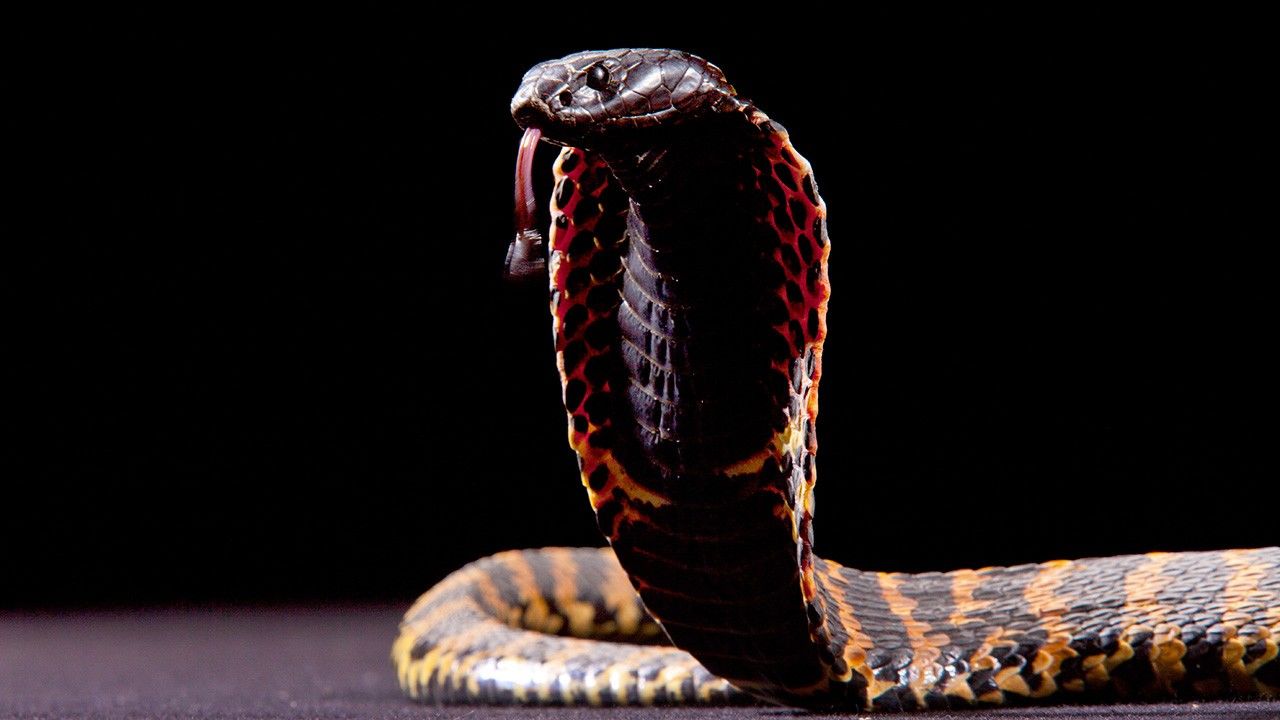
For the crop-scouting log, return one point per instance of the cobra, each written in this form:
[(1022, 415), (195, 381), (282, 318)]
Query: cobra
[(688, 263)]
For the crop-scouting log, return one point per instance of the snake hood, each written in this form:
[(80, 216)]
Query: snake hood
[(577, 99), (687, 261)]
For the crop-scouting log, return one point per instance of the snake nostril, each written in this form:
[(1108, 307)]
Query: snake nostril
[(566, 98), (532, 113)]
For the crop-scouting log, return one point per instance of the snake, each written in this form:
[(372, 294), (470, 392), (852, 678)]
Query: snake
[(687, 260)]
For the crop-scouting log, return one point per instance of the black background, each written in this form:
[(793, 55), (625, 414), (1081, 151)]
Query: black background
[(252, 239)]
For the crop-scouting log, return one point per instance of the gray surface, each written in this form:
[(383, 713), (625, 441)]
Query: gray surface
[(302, 663)]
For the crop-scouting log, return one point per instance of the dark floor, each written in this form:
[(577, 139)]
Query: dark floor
[(297, 663)]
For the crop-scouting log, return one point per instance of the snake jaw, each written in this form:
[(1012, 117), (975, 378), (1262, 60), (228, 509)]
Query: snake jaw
[(579, 99)]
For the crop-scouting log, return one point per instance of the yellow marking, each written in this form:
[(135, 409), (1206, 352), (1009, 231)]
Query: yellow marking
[(783, 511), (985, 661), (1041, 594), (994, 697), (958, 686), (963, 583), (790, 440), (400, 656), (1141, 585), (924, 671), (1232, 649), (750, 465), (1242, 588), (646, 690), (1074, 685), (671, 677), (1009, 680), (435, 660), (621, 675), (463, 676), (1048, 662), (1268, 654), (484, 583), (619, 477), (1048, 686), (811, 405), (450, 655), (520, 691), (854, 652), (1123, 653), (1040, 662), (579, 613), (553, 624), (1232, 661), (590, 688), (981, 658), (705, 690), (445, 611), (536, 612), (1097, 676), (621, 601), (1167, 651)]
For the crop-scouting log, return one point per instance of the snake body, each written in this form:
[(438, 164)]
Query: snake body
[(688, 264)]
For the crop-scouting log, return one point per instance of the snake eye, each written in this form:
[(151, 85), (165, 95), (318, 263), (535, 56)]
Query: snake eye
[(598, 77)]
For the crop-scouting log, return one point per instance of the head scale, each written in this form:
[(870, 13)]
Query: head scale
[(577, 99)]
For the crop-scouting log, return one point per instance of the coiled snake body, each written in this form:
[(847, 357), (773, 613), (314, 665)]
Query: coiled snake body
[(688, 263)]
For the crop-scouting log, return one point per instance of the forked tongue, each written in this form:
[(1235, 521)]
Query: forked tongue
[(527, 257)]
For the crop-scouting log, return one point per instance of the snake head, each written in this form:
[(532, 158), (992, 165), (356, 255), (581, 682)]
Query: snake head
[(577, 99)]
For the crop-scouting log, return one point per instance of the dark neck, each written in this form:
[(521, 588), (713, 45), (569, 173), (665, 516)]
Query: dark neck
[(686, 181), (708, 420), (696, 268)]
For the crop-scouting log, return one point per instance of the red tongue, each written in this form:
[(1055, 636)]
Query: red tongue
[(525, 216), (526, 257)]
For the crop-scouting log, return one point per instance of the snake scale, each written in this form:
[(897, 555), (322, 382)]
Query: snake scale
[(688, 263)]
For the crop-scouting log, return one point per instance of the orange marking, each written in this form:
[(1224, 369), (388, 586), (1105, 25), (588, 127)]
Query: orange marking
[(579, 614), (1141, 585), (1041, 594), (963, 583), (981, 658), (924, 671), (1242, 588), (959, 687), (489, 592), (1167, 651), (563, 573), (854, 652), (1048, 662), (621, 600), (1123, 654), (537, 614), (619, 478), (1009, 680)]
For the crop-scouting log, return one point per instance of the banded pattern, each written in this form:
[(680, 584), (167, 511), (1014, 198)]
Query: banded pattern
[(549, 626), (689, 290), (1191, 625)]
